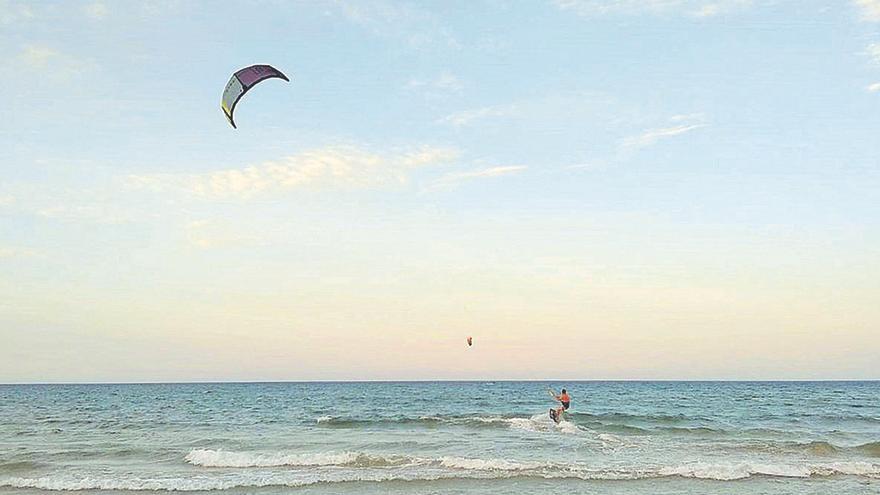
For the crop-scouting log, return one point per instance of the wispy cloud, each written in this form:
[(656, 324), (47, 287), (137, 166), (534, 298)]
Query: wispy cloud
[(99, 212), (688, 117), (588, 165), (16, 252), (451, 179), (96, 203), (97, 10), (873, 88), (323, 168), (628, 146), (468, 117), (538, 110), (42, 57), (870, 9), (650, 137), (38, 57), (712, 9), (209, 234), (417, 28), (446, 81), (873, 51), (14, 12), (695, 8), (442, 86)]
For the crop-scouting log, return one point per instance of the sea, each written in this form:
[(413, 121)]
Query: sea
[(486, 437)]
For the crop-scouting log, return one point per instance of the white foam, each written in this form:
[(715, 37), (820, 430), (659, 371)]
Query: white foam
[(566, 427), (489, 419), (745, 470), (536, 423), (460, 468), (488, 464), (71, 483), (542, 422), (608, 439), (854, 468), (350, 466), (527, 424), (727, 472), (222, 458), (248, 479)]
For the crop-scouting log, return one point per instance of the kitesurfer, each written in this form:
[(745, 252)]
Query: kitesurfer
[(565, 403)]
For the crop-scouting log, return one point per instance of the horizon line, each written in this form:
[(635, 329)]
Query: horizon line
[(505, 380)]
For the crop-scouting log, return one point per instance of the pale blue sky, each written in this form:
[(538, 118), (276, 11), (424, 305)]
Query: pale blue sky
[(664, 189)]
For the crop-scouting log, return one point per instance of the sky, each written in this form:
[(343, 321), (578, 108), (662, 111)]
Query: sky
[(620, 189)]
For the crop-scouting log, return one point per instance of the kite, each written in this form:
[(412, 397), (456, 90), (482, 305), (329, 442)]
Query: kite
[(241, 82)]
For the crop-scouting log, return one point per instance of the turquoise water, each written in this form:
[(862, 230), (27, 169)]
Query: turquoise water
[(439, 438)]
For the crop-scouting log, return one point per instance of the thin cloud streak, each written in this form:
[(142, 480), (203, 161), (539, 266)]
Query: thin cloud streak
[(446, 81), (97, 11), (468, 117), (870, 10), (652, 136), (450, 180), (334, 167), (873, 51), (693, 8), (15, 12), (628, 146), (16, 252), (418, 28), (49, 61)]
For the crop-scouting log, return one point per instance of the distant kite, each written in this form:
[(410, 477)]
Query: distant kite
[(470, 341), (241, 82)]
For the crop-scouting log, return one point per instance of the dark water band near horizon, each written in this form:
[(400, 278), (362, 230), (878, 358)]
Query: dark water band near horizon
[(441, 437)]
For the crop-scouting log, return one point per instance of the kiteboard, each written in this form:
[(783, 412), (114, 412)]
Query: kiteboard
[(555, 417)]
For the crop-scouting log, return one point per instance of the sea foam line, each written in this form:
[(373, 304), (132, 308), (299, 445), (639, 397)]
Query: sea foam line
[(536, 423), (416, 469), (225, 458), (719, 471), (262, 479)]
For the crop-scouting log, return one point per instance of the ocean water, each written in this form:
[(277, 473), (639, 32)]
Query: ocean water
[(442, 438)]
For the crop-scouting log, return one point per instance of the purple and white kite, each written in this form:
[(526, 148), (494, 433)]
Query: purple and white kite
[(241, 82)]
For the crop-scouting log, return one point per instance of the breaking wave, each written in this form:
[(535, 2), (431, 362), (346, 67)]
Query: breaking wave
[(619, 423), (537, 422), (222, 458), (871, 449), (400, 468)]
